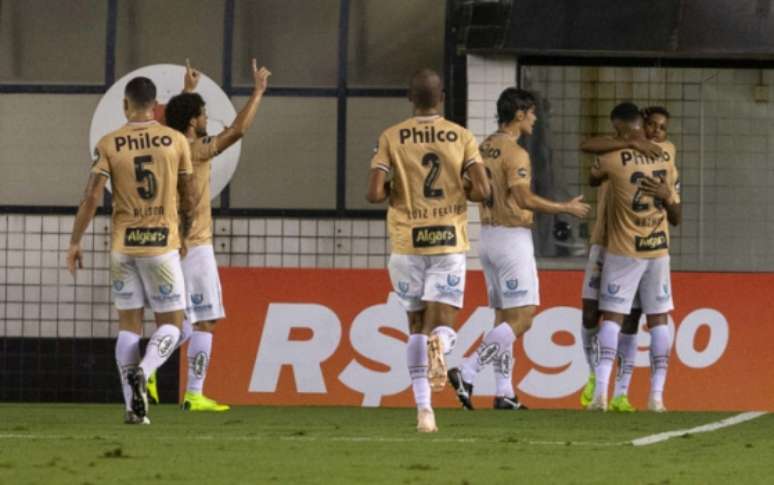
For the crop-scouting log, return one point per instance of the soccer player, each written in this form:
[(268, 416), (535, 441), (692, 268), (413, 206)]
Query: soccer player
[(433, 164), (187, 114), (506, 250), (627, 339), (643, 195), (149, 167)]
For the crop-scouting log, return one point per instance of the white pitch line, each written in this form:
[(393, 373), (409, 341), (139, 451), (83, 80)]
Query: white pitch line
[(705, 428)]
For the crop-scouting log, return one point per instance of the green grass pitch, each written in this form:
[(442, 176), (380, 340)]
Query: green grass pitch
[(89, 444)]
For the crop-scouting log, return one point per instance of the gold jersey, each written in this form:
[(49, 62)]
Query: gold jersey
[(507, 165), (599, 232), (143, 161), (203, 150), (427, 156), (637, 224)]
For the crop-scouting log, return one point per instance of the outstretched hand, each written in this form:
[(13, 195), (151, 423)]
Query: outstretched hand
[(577, 207)]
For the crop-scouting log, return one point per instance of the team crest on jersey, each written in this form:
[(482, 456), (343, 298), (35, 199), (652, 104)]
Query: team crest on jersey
[(453, 280), (118, 285), (613, 289), (197, 298)]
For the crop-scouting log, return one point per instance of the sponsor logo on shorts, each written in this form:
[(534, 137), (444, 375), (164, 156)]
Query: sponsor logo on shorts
[(166, 293), (613, 290), (197, 298), (513, 289), (165, 289), (146, 236), (403, 288), (118, 285), (667, 294), (434, 236), (654, 242), (449, 290)]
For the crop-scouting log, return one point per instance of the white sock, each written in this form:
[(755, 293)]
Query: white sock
[(162, 344), (498, 340), (627, 353), (503, 367), (608, 346), (416, 358), (447, 336), (659, 359), (590, 348), (199, 351), (127, 358), (185, 332)]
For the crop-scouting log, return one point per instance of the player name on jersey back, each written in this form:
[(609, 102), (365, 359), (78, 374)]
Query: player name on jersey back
[(507, 165), (428, 210), (636, 224), (143, 161)]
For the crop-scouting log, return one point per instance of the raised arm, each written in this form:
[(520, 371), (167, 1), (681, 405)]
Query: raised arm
[(245, 118), (92, 197), (599, 145)]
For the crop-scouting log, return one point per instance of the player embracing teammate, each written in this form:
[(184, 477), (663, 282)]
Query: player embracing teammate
[(640, 197)]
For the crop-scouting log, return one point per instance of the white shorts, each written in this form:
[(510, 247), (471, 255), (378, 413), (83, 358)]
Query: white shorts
[(155, 280), (417, 279), (592, 278), (508, 260), (202, 284), (624, 277)]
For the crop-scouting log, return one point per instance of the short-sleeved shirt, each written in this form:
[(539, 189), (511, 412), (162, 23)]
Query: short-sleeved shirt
[(143, 161), (203, 150), (508, 165), (427, 157), (637, 225)]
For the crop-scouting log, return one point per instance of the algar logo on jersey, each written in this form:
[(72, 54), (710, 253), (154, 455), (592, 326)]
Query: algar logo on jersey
[(433, 236)]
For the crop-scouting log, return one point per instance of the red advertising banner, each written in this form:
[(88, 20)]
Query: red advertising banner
[(337, 337)]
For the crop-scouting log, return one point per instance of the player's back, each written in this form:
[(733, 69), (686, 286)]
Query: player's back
[(203, 150), (636, 224), (143, 161), (507, 165), (428, 209)]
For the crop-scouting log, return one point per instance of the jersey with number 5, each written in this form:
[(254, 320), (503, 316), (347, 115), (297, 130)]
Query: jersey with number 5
[(637, 224), (427, 157), (143, 161)]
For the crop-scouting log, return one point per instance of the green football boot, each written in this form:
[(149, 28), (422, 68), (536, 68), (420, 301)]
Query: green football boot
[(588, 392), (196, 401), (621, 404), (153, 390)]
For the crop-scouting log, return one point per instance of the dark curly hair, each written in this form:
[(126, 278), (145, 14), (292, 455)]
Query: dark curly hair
[(181, 109), (511, 101), (655, 110)]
